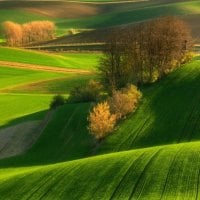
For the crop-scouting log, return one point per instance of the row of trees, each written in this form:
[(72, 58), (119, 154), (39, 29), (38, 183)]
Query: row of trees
[(22, 35), (145, 52)]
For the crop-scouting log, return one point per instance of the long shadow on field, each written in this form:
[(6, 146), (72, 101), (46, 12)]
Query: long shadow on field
[(169, 113), (64, 138)]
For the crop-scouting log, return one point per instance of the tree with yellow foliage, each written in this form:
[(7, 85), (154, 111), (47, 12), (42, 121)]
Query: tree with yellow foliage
[(124, 101), (101, 121)]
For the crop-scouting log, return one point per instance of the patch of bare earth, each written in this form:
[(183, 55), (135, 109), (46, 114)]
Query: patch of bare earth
[(42, 68), (16, 140)]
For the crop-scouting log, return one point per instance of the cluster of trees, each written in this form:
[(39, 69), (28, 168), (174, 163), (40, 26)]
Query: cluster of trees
[(107, 111), (104, 116), (22, 35), (132, 56), (137, 55), (145, 52)]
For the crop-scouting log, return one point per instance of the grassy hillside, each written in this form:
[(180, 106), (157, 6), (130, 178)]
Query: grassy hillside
[(154, 154), (173, 101), (24, 92), (134, 15), (168, 114), (65, 138), (15, 77), (53, 86), (97, 15), (19, 16), (14, 106), (167, 172)]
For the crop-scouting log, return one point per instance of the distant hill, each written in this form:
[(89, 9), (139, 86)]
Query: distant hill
[(99, 15)]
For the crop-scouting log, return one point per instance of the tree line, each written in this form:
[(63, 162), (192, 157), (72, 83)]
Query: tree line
[(18, 35), (133, 56), (145, 52)]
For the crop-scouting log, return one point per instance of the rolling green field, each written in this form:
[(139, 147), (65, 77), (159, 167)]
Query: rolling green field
[(133, 15), (12, 105), (19, 16), (87, 61), (100, 15), (17, 77), (57, 86), (175, 102), (154, 154), (30, 91)]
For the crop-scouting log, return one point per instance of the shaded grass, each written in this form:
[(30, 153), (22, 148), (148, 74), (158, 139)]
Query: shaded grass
[(133, 15), (66, 132), (19, 16), (169, 113)]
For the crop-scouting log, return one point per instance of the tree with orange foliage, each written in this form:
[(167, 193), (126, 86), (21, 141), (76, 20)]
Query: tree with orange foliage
[(13, 33), (124, 101), (101, 121), (26, 34)]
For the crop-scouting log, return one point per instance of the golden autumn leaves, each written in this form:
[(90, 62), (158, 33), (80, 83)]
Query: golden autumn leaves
[(18, 35), (104, 116)]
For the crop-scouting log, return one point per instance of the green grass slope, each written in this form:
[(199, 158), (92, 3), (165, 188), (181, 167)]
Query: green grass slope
[(167, 172), (77, 15), (134, 15), (169, 113), (61, 85), (14, 77), (24, 92), (65, 138), (19, 16), (14, 106), (67, 60), (159, 145)]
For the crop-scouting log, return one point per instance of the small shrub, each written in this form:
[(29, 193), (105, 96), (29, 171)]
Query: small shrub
[(57, 100), (90, 92), (101, 121), (124, 101)]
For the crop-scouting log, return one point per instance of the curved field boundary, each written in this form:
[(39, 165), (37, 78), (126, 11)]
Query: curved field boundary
[(18, 139), (43, 68)]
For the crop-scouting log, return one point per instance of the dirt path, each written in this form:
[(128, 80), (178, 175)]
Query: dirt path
[(43, 68), (16, 140)]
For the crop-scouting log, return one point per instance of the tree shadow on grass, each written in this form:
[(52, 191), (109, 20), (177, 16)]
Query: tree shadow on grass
[(168, 114)]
